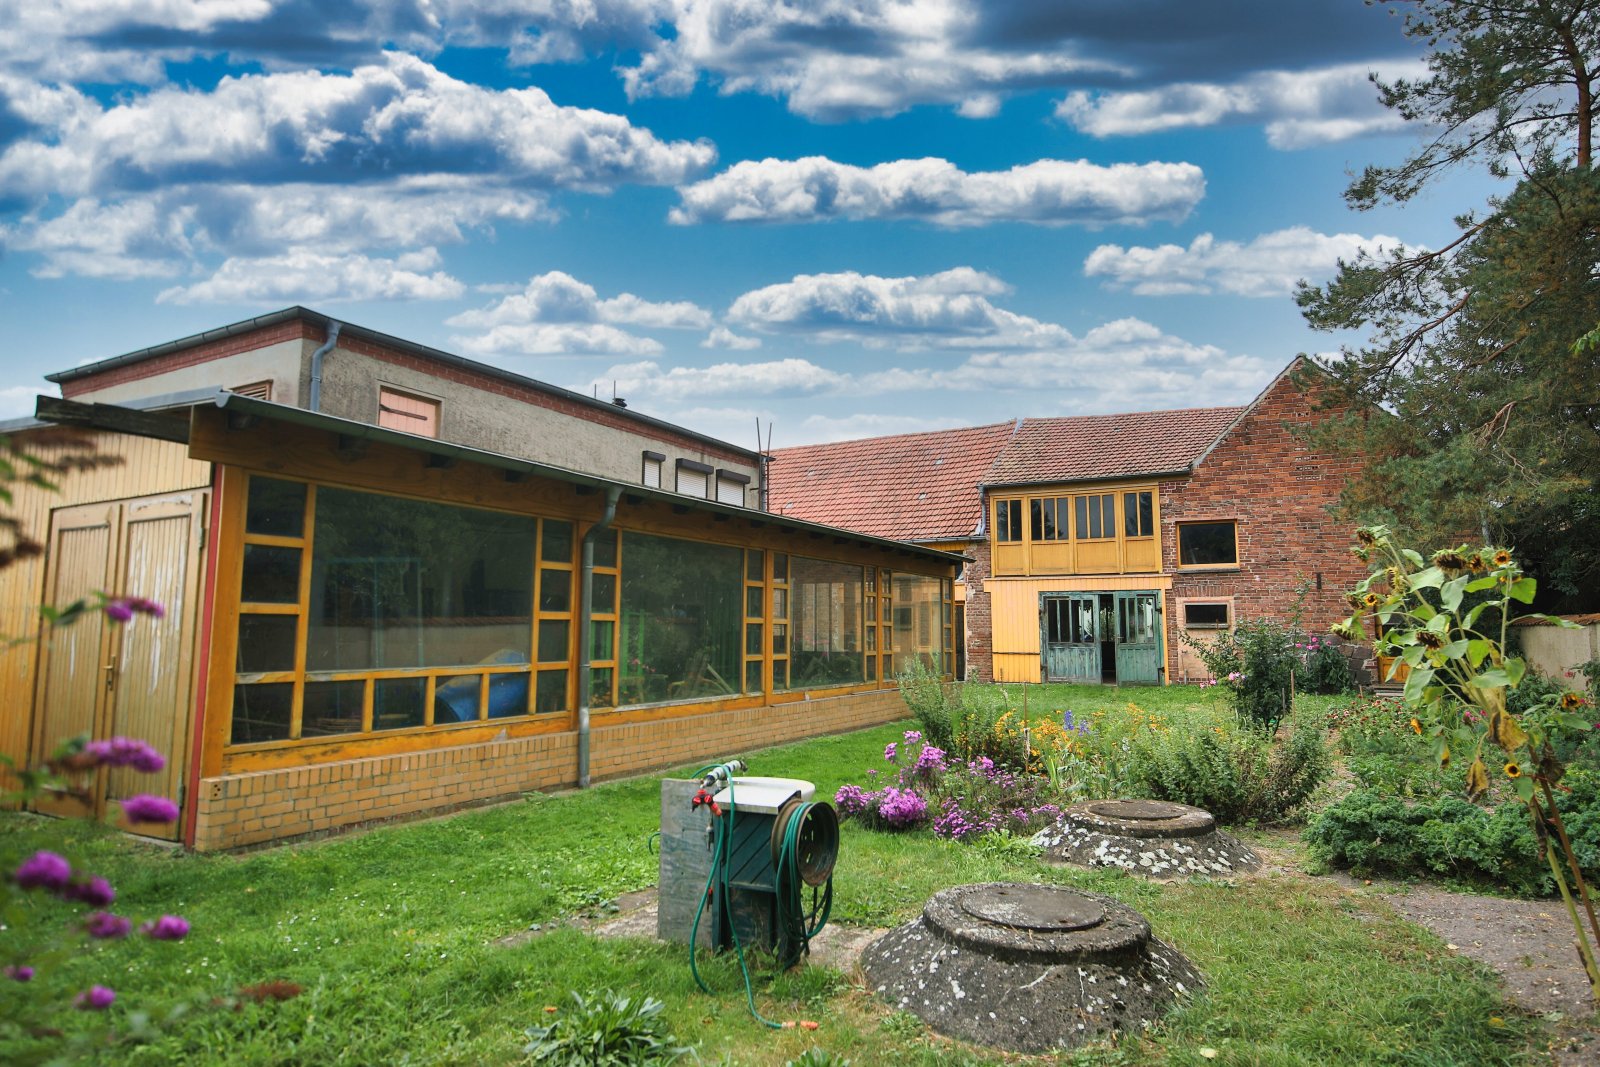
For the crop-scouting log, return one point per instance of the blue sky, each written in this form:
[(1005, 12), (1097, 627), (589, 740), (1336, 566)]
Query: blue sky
[(845, 219)]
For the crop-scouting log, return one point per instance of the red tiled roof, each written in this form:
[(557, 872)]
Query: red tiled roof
[(911, 487), (1085, 447)]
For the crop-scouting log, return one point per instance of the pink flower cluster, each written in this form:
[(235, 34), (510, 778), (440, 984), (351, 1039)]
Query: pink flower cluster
[(121, 752)]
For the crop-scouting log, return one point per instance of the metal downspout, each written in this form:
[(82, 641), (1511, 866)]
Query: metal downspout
[(314, 402), (585, 614)]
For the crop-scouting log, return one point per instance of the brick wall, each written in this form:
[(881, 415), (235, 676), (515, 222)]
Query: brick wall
[(980, 631), (244, 809), (1279, 490)]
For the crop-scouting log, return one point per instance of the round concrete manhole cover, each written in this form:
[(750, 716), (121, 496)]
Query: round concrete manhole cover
[(1043, 908), (1139, 810)]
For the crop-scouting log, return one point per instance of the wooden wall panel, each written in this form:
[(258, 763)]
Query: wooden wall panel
[(143, 466)]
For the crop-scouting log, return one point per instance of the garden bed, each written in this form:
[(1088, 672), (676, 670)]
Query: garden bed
[(393, 940)]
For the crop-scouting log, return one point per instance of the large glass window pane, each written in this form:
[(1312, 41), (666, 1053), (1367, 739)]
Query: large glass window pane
[(826, 625), (605, 548), (752, 676), (601, 631), (557, 546), (275, 508), (1081, 507), (605, 593), (555, 590), (331, 708), (683, 614), (271, 575), (600, 687), (266, 643), (456, 699), (752, 601), (918, 619), (262, 712), (552, 692), (508, 695), (753, 564), (398, 703), (553, 641), (410, 583)]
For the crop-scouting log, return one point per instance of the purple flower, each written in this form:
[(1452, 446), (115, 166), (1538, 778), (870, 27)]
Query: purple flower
[(18, 972), (44, 870), (95, 892), (850, 800), (889, 751), (95, 998), (166, 928), (147, 808), (902, 807), (105, 926), (125, 752), (124, 608), (118, 611), (930, 758), (912, 737)]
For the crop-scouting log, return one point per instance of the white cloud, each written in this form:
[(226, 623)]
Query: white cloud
[(17, 401), (556, 312), (1269, 265), (821, 429), (785, 377), (395, 118), (1048, 192), (950, 309), (1298, 108), (159, 234), (310, 277), (722, 337)]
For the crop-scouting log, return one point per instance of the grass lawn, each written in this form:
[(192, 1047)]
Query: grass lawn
[(392, 934)]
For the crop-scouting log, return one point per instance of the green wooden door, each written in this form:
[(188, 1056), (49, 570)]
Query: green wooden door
[(1070, 637), (1138, 638)]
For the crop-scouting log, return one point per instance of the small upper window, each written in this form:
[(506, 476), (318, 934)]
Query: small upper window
[(731, 486), (258, 390), (1007, 520), (1208, 544), (407, 412), (694, 479), (1213, 616), (1049, 515), (651, 476)]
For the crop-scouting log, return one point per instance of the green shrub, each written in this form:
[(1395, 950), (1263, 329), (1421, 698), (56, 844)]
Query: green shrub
[(606, 1030), (1238, 775), (817, 1057), (933, 702), (1371, 832), (1418, 776)]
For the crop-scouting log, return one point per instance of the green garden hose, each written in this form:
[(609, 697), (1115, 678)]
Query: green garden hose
[(792, 918)]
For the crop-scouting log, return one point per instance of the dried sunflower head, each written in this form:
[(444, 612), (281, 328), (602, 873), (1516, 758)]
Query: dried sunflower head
[(1450, 561)]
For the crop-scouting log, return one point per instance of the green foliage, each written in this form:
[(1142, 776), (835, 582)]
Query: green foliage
[(816, 1057), (1237, 775), (1371, 831), (606, 1030), (1590, 669), (933, 702), (1261, 661)]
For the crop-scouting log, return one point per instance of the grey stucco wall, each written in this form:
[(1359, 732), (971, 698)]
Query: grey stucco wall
[(280, 364)]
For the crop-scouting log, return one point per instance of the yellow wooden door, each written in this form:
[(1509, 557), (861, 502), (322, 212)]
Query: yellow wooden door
[(75, 659), (152, 690), (142, 681)]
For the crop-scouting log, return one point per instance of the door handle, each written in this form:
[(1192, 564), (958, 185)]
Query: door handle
[(110, 670)]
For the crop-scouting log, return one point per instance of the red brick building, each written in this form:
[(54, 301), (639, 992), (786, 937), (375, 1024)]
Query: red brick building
[(1099, 544)]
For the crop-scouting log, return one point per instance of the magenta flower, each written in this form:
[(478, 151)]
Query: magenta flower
[(44, 870), (95, 892), (166, 928), (125, 752), (912, 737), (105, 926), (889, 751), (95, 998), (18, 972), (124, 608), (147, 808)]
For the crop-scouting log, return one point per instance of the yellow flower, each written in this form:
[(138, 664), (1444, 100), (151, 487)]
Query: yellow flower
[(1372, 600), (1416, 727), (1476, 565), (1502, 558), (1444, 756), (1513, 770), (1572, 701)]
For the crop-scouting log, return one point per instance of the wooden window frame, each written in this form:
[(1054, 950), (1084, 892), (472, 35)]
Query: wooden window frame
[(1016, 532), (1225, 603), (1177, 544)]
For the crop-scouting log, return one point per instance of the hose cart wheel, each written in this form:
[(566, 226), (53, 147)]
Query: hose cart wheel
[(814, 841)]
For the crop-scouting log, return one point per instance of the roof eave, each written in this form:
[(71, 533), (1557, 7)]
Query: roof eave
[(1180, 472)]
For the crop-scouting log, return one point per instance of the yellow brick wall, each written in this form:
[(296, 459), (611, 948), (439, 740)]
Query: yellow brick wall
[(246, 809)]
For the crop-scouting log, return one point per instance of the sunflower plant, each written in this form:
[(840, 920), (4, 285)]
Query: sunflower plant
[(1446, 618)]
